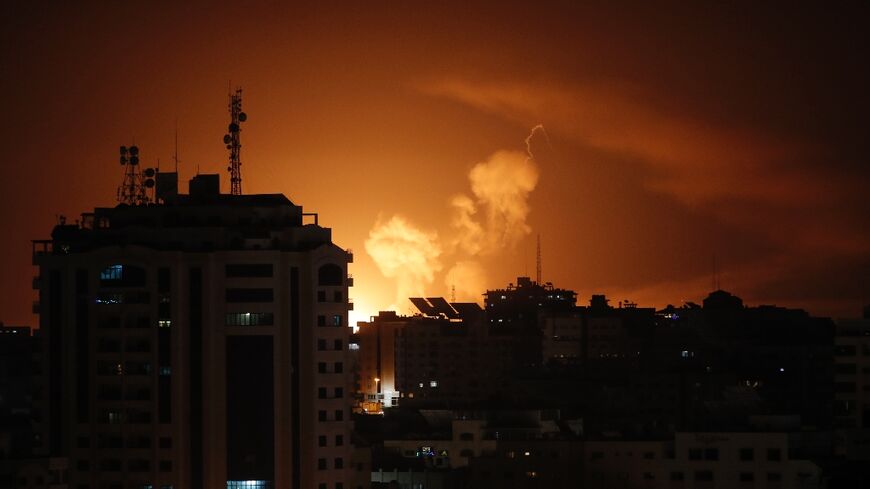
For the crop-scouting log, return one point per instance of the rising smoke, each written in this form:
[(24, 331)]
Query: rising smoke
[(492, 219)]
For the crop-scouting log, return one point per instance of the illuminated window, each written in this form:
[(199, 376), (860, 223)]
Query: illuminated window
[(433, 383), (164, 323), (251, 484), (112, 272), (250, 319), (336, 320)]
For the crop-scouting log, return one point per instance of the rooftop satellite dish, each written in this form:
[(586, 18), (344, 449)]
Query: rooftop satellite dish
[(134, 150), (229, 168), (227, 139), (134, 160), (123, 160), (123, 150), (149, 172), (149, 183), (243, 117)]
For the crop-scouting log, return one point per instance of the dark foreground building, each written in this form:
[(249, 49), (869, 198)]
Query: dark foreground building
[(196, 343)]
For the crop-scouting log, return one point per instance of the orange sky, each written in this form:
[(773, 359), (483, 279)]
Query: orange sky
[(674, 134)]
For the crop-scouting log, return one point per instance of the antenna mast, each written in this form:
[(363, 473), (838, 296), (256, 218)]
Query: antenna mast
[(134, 189), (539, 259), (233, 143)]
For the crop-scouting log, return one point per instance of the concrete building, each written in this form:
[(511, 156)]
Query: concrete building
[(852, 387), (196, 343)]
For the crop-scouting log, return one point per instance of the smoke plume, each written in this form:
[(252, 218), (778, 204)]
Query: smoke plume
[(492, 219), (406, 253)]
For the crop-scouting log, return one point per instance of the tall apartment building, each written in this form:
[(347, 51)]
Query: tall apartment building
[(196, 343)]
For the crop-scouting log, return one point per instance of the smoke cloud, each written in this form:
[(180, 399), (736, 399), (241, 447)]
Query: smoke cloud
[(490, 220), (406, 253)]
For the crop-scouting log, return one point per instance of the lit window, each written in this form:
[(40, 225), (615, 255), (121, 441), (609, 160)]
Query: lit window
[(112, 272), (249, 484), (336, 320), (250, 319), (433, 383), (164, 323)]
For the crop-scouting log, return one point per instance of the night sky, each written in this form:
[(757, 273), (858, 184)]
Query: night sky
[(672, 134)]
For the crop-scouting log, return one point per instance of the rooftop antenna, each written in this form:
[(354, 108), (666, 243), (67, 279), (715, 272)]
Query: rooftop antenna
[(539, 259), (231, 140), (136, 186)]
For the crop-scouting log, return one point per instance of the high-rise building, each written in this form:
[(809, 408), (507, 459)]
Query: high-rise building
[(196, 343)]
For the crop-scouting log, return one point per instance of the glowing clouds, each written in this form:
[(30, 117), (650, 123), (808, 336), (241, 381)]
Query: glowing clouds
[(406, 253), (502, 185), (490, 220)]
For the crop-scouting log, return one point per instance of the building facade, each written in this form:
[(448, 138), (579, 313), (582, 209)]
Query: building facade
[(196, 343)]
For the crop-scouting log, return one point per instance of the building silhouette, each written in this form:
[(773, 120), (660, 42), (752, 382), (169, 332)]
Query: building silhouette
[(196, 343)]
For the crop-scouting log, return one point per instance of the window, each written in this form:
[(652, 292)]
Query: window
[(321, 367), (339, 414), (774, 477), (466, 436), (774, 454), (250, 295), (321, 392), (466, 452), (112, 272), (321, 344), (321, 320), (321, 441), (338, 345), (339, 463), (704, 475), (338, 367), (164, 323), (711, 454), (337, 296), (249, 270), (321, 415), (747, 454), (165, 442), (695, 454), (321, 296), (339, 485), (336, 320), (747, 477), (339, 440), (321, 464), (250, 319), (166, 466), (330, 274), (677, 476), (339, 392)]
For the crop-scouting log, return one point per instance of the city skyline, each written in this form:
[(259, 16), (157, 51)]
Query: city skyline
[(661, 154)]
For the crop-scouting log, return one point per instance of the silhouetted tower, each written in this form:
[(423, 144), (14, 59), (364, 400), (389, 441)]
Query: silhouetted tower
[(538, 275), (134, 188), (233, 143)]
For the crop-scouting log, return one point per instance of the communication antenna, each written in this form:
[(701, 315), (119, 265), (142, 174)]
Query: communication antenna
[(231, 140), (137, 185), (539, 259)]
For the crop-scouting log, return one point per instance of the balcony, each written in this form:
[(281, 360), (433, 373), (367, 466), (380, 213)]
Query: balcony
[(35, 307), (350, 304), (349, 253), (349, 280), (36, 282)]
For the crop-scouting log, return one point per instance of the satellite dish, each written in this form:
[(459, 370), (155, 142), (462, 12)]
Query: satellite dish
[(243, 117), (123, 150), (234, 127), (123, 160), (229, 168), (134, 150), (149, 183), (227, 139), (134, 160), (149, 172)]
